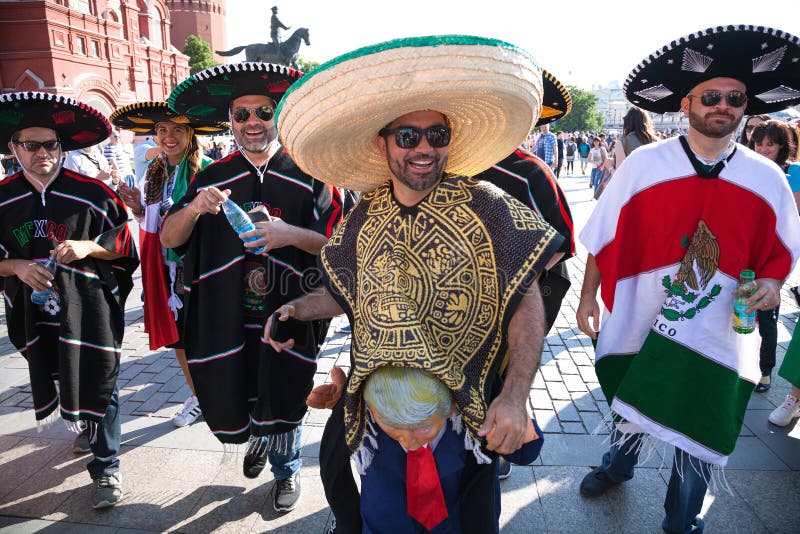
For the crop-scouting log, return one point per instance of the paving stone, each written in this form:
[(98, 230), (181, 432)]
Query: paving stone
[(158, 365), (547, 420), (565, 511), (145, 393), (141, 379), (550, 373), (592, 423), (173, 384), (129, 407), (166, 375), (587, 373), (582, 359), (597, 392), (182, 394), (574, 383), (15, 399), (566, 367), (538, 381), (566, 411), (540, 400), (762, 494), (584, 402), (573, 428), (154, 402), (558, 391)]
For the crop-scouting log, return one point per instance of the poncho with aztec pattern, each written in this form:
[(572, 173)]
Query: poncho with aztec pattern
[(669, 246)]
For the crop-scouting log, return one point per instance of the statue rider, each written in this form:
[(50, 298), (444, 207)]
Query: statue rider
[(275, 26)]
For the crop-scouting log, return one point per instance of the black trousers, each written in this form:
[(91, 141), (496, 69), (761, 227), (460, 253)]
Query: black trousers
[(768, 330)]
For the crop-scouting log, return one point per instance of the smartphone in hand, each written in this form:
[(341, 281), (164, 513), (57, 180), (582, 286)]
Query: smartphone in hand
[(283, 331)]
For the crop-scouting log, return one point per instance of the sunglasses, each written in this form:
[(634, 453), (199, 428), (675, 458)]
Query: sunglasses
[(713, 97), (34, 146), (264, 113), (408, 137)]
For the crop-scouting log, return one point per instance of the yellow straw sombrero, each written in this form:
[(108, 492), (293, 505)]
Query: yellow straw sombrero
[(489, 90)]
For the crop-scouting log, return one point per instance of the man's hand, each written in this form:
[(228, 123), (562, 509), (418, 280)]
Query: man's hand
[(505, 425), (286, 311), (132, 198), (588, 308), (326, 396), (33, 274), (208, 200), (271, 234), (69, 250), (766, 297)]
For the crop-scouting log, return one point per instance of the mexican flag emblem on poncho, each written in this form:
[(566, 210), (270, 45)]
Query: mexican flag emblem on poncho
[(681, 388), (669, 245)]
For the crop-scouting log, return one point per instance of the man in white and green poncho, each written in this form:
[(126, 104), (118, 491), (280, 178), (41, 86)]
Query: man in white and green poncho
[(666, 244)]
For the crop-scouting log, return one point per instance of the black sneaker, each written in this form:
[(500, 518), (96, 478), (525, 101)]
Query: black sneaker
[(287, 493), (596, 483), (81, 443), (503, 468), (764, 384), (256, 457)]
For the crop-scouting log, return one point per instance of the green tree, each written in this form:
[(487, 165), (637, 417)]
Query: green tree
[(305, 65), (199, 52), (584, 116)]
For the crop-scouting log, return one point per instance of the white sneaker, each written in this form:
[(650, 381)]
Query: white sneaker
[(188, 413), (783, 414)]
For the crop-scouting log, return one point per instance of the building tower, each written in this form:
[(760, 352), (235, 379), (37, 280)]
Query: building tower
[(204, 18)]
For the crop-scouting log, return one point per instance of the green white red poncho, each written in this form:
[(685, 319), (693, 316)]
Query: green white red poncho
[(669, 245)]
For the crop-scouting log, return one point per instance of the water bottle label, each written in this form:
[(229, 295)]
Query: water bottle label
[(742, 319)]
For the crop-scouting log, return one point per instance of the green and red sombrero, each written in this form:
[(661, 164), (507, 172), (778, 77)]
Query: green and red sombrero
[(77, 125), (490, 91), (556, 102), (766, 60), (207, 94), (142, 118)]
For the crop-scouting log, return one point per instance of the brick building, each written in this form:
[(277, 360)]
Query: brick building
[(106, 53), (204, 18)]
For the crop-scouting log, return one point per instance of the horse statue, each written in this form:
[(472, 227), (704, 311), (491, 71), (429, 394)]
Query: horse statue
[(267, 53)]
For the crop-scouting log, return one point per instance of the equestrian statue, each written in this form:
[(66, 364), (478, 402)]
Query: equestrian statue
[(277, 51)]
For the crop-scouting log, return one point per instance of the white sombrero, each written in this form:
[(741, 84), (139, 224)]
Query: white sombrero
[(489, 90)]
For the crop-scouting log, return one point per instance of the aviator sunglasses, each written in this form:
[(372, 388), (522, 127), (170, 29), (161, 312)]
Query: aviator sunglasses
[(408, 137), (713, 97), (34, 146), (264, 113)]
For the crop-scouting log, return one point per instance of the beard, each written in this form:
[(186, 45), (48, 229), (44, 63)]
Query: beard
[(716, 125), (255, 145), (413, 178)]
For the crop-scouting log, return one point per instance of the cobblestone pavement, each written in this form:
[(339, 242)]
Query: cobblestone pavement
[(182, 480)]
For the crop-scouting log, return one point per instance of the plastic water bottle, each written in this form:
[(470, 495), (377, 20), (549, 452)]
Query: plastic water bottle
[(40, 298), (240, 222), (743, 322)]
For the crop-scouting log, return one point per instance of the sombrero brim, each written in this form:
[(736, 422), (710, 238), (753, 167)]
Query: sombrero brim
[(142, 118), (556, 102), (766, 60), (77, 124), (489, 90), (208, 94)]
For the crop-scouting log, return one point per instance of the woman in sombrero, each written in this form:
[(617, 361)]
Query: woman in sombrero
[(165, 182)]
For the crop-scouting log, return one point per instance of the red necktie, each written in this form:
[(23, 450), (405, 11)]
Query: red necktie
[(425, 500)]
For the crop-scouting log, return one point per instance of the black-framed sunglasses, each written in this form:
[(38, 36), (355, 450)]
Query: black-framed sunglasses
[(264, 113), (713, 97), (408, 137), (34, 146)]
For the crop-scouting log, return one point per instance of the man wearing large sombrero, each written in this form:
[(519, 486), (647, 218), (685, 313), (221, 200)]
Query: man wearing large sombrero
[(248, 392), (434, 269), (49, 211), (667, 242), (165, 182)]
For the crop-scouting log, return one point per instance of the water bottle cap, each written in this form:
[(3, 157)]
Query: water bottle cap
[(747, 274)]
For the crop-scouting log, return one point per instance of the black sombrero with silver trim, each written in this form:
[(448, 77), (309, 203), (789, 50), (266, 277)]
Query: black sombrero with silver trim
[(142, 118), (766, 60), (78, 125), (556, 102), (208, 94)]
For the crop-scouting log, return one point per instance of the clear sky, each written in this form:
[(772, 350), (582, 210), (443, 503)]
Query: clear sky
[(581, 42)]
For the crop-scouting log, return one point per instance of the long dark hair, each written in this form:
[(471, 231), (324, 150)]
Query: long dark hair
[(743, 137), (638, 121), (778, 132)]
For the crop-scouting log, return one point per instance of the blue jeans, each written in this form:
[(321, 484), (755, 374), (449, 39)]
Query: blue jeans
[(597, 176), (284, 465), (106, 447), (686, 489)]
